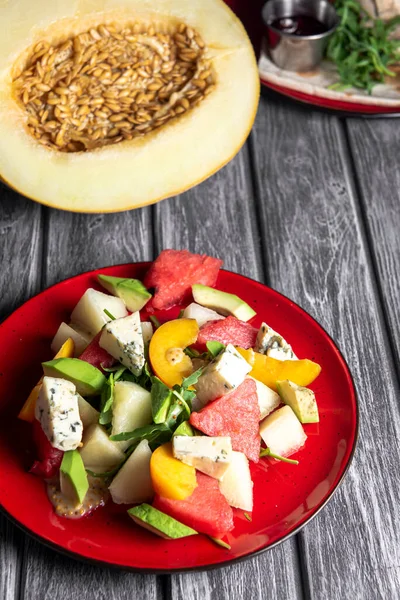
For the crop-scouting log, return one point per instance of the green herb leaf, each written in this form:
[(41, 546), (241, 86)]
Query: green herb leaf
[(161, 398), (247, 516), (220, 542), (106, 402), (267, 452), (109, 314), (159, 433), (192, 379), (214, 348), (155, 321), (192, 353)]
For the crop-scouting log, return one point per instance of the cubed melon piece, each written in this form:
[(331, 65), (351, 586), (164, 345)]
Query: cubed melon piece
[(87, 413), (131, 408), (282, 432), (236, 484), (268, 400), (80, 339), (201, 314), (89, 312), (133, 484), (99, 453), (147, 332)]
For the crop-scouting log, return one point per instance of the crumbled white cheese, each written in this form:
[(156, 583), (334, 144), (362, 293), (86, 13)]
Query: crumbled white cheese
[(58, 413), (123, 339), (224, 374), (272, 344), (210, 455)]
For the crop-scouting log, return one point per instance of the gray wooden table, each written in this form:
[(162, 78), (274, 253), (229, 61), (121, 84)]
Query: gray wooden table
[(310, 206)]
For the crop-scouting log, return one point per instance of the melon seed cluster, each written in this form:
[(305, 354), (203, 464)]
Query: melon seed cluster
[(108, 85)]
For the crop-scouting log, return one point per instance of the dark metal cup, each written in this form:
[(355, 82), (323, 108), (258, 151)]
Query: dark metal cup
[(294, 52)]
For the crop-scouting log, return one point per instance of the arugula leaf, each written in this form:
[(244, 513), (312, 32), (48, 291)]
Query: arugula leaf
[(247, 516), (155, 321), (192, 379), (109, 314), (362, 47), (214, 348), (220, 542), (161, 398), (267, 452), (144, 379), (159, 433), (192, 353), (106, 401)]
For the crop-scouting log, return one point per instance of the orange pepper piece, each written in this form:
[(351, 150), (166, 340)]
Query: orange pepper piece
[(167, 358), (27, 412), (170, 477), (270, 370)]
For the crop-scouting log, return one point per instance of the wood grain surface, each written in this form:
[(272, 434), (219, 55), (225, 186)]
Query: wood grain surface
[(310, 217), (311, 206), (377, 175)]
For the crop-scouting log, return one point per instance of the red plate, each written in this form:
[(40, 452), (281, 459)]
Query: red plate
[(286, 497)]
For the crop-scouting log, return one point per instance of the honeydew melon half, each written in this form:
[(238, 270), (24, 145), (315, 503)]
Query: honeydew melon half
[(169, 159)]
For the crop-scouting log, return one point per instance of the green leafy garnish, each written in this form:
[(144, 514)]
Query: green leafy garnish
[(220, 542), (191, 379), (144, 379), (214, 348), (267, 452), (247, 516), (109, 314), (161, 398), (158, 433), (192, 353), (106, 401), (155, 321), (361, 47)]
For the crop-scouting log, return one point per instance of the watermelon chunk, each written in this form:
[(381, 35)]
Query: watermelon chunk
[(206, 510), (174, 272), (96, 356), (227, 331), (235, 415)]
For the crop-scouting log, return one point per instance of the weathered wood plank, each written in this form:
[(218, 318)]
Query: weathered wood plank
[(218, 218), (76, 243), (316, 253), (374, 146), (20, 222)]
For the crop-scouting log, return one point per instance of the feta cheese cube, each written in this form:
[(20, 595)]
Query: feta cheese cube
[(268, 400), (58, 413), (123, 339), (237, 485), (272, 344), (224, 374), (89, 312), (210, 455), (201, 314), (282, 432)]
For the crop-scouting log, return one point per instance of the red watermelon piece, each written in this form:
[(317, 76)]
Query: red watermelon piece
[(236, 415), (227, 331), (174, 272), (97, 356), (206, 510)]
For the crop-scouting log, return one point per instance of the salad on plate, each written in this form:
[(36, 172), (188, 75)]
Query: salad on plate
[(160, 395)]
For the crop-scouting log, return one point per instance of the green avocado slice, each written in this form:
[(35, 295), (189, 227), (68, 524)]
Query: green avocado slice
[(131, 291), (73, 479), (300, 399), (88, 380), (222, 302), (159, 523), (184, 429)]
